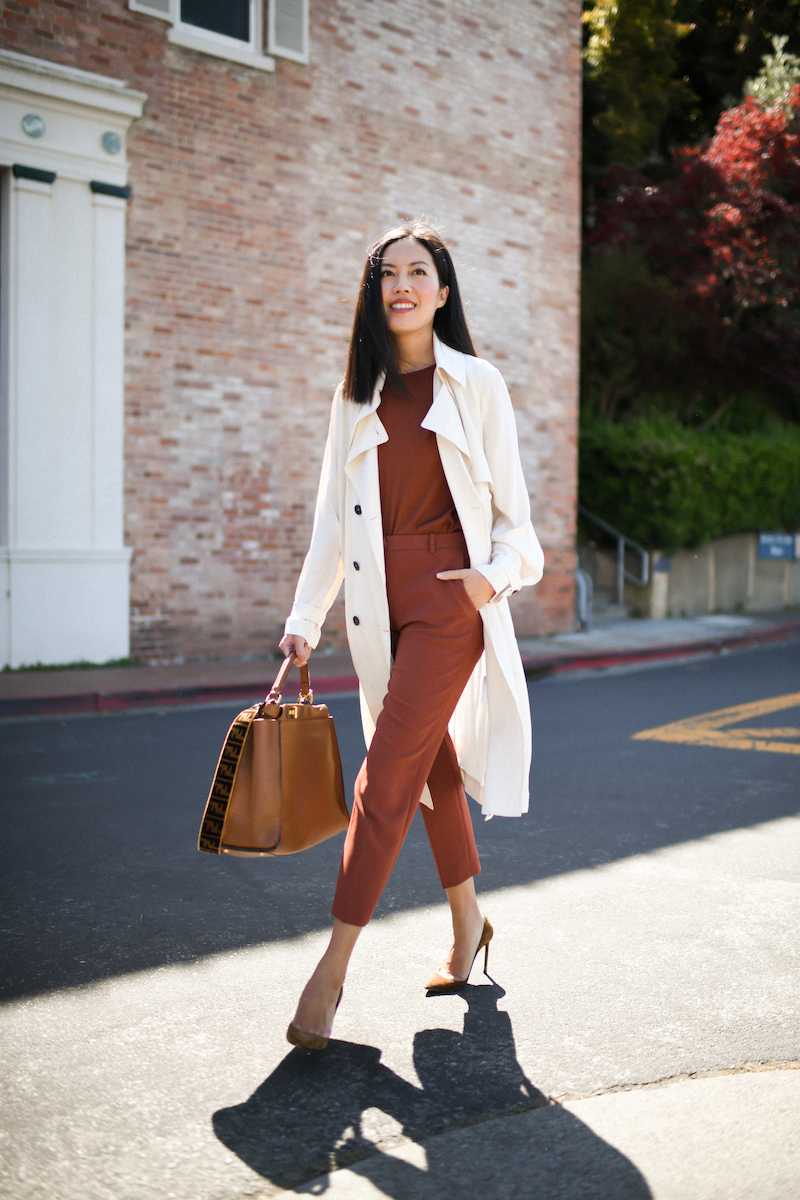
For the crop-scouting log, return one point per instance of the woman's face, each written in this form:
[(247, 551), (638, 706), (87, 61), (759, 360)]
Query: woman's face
[(410, 287)]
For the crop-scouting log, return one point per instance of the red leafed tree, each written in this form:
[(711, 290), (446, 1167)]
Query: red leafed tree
[(720, 244)]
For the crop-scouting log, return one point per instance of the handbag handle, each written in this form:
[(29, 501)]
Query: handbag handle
[(306, 695)]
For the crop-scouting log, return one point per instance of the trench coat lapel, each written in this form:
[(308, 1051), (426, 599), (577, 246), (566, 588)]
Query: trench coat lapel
[(450, 419), (368, 431), (443, 419), (361, 469)]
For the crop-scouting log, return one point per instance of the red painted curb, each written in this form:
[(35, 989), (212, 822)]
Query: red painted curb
[(557, 665), (157, 697)]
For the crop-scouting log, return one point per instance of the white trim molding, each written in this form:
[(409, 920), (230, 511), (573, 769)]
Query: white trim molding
[(64, 569), (76, 108), (46, 78)]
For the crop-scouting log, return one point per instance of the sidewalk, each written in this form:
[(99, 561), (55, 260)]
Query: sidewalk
[(637, 1038), (616, 643), (731, 1135), (110, 689)]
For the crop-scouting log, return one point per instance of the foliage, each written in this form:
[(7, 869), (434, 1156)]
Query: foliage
[(692, 286), (667, 486), (631, 54), (637, 334), (658, 74), (81, 665), (724, 49), (778, 77)]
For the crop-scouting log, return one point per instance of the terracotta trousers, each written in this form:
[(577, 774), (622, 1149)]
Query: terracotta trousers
[(437, 638)]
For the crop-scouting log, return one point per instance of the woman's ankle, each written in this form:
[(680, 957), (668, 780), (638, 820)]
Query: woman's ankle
[(468, 924), (325, 978), (463, 902)]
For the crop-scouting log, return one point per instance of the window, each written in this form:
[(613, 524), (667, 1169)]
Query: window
[(231, 19), (247, 31)]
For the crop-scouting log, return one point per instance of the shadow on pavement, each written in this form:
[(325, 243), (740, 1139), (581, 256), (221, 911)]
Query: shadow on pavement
[(314, 1113), (100, 875)]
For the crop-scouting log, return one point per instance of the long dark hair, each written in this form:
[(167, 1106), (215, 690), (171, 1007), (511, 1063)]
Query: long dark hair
[(371, 350)]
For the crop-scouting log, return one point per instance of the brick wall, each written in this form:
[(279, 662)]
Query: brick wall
[(255, 197)]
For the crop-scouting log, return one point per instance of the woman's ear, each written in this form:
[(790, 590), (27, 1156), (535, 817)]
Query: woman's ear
[(443, 294)]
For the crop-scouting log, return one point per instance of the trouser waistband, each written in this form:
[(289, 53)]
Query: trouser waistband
[(423, 541)]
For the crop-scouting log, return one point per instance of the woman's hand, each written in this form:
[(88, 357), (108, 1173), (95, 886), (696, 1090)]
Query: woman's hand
[(293, 644), (477, 586)]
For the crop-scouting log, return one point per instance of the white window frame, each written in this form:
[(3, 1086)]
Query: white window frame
[(194, 37), (262, 29)]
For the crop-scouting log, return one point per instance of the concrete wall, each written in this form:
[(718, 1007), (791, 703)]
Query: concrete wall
[(725, 576), (255, 196)]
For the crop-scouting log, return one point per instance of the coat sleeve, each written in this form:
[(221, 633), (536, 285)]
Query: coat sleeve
[(323, 569), (517, 558)]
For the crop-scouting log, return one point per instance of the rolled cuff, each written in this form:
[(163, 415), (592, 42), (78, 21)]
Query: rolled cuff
[(498, 578), (299, 627)]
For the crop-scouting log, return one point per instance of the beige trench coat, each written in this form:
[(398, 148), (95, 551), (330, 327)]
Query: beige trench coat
[(475, 429)]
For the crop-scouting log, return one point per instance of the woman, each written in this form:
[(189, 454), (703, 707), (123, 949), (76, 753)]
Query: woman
[(423, 511)]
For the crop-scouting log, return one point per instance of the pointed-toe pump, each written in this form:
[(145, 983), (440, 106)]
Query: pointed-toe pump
[(304, 1038), (440, 985)]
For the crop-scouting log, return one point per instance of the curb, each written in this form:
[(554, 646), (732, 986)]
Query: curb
[(108, 702), (536, 667), (544, 665)]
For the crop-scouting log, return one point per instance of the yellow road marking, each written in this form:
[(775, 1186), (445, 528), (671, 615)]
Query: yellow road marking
[(789, 732), (713, 729)]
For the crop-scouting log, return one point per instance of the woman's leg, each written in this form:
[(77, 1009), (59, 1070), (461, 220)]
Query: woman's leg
[(317, 1005), (439, 643), (467, 929), (449, 826), (449, 829), (449, 823)]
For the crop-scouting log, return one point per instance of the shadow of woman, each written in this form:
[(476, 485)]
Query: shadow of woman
[(307, 1117)]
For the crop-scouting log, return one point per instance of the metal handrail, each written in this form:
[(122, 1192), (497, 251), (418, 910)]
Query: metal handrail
[(584, 598), (622, 542)]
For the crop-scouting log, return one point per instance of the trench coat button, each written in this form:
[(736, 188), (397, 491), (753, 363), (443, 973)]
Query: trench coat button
[(356, 621), (357, 566), (358, 510)]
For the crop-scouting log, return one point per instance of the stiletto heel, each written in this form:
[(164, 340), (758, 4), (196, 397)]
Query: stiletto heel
[(440, 985), (304, 1038)]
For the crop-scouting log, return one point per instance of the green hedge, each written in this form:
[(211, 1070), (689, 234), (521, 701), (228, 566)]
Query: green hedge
[(667, 486)]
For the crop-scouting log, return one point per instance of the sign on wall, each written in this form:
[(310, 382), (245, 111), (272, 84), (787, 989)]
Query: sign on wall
[(779, 545)]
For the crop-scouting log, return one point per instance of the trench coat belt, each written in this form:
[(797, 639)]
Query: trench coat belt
[(423, 541)]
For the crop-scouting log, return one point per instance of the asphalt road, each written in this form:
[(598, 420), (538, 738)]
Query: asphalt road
[(646, 915)]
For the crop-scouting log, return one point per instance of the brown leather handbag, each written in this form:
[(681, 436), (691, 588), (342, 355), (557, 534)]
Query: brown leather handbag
[(278, 786)]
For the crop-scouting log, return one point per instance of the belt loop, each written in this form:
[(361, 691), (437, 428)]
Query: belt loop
[(432, 543)]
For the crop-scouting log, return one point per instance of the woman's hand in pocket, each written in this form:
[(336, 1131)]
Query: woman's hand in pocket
[(477, 586)]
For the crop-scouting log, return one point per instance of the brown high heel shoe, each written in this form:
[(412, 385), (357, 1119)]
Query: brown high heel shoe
[(304, 1038), (440, 985)]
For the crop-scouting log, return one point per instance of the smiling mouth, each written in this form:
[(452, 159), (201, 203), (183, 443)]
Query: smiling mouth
[(401, 306)]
